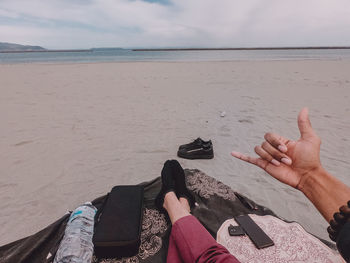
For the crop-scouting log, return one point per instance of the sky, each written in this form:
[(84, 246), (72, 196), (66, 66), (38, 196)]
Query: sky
[(62, 24)]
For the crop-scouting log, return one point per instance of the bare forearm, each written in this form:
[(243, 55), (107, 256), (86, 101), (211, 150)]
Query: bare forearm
[(326, 192)]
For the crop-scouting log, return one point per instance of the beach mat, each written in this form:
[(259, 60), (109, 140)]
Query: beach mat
[(216, 202)]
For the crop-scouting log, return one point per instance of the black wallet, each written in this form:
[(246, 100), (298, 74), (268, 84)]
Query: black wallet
[(118, 223)]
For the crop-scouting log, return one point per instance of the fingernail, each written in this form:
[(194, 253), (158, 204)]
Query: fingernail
[(286, 161), (275, 162), (282, 148)]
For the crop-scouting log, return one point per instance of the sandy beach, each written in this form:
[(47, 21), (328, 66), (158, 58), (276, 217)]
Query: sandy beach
[(70, 132)]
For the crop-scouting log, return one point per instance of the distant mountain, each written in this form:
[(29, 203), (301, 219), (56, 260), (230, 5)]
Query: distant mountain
[(16, 47)]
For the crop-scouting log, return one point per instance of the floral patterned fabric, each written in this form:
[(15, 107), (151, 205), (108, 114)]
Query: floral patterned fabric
[(292, 243)]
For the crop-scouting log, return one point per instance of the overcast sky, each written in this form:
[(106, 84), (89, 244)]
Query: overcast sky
[(175, 23)]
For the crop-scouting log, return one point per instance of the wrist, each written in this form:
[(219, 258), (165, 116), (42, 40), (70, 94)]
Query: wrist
[(312, 178), (325, 191)]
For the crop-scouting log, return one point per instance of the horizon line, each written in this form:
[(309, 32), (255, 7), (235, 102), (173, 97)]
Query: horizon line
[(180, 49), (243, 48)]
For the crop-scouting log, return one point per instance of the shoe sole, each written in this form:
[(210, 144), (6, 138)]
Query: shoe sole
[(208, 156)]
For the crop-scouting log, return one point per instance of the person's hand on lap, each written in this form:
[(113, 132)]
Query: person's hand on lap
[(290, 162)]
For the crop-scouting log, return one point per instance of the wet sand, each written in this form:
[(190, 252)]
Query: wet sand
[(69, 132)]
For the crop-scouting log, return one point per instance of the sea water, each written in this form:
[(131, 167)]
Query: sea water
[(127, 55)]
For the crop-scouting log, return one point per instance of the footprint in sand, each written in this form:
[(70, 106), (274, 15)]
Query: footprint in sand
[(245, 121), (23, 143)]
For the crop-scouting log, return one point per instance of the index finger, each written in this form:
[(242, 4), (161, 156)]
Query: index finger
[(277, 141)]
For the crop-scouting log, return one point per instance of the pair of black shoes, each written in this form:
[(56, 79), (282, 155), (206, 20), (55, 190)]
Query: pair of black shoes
[(173, 180), (198, 149)]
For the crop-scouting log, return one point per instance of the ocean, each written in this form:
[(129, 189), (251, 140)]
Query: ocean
[(128, 55)]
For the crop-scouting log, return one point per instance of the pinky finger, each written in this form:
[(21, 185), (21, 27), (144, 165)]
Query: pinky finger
[(256, 161)]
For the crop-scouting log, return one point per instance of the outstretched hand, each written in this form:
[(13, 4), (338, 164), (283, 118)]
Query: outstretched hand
[(288, 161)]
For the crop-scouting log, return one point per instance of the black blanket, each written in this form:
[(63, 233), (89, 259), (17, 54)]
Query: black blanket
[(215, 203)]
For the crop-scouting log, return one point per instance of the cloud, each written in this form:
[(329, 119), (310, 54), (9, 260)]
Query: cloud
[(175, 23)]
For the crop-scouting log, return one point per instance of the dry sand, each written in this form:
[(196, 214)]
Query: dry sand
[(69, 132)]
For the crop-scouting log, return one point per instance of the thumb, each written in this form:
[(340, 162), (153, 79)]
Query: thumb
[(304, 124)]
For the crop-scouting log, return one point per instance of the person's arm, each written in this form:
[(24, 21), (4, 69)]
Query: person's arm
[(297, 163), (326, 192)]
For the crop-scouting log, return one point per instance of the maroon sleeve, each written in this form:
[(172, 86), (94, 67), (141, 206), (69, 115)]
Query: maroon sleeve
[(195, 244)]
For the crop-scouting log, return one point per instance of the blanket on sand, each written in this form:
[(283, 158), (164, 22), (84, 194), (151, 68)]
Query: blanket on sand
[(215, 203)]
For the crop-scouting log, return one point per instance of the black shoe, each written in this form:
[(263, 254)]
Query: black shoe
[(180, 183), (195, 144), (168, 185), (199, 152)]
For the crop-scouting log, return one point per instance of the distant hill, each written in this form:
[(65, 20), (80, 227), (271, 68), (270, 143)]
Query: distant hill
[(16, 47)]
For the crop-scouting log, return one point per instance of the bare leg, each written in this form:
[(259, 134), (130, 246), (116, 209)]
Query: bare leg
[(174, 208), (185, 204)]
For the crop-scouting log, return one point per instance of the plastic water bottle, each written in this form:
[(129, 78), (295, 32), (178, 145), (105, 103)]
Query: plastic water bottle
[(76, 245)]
